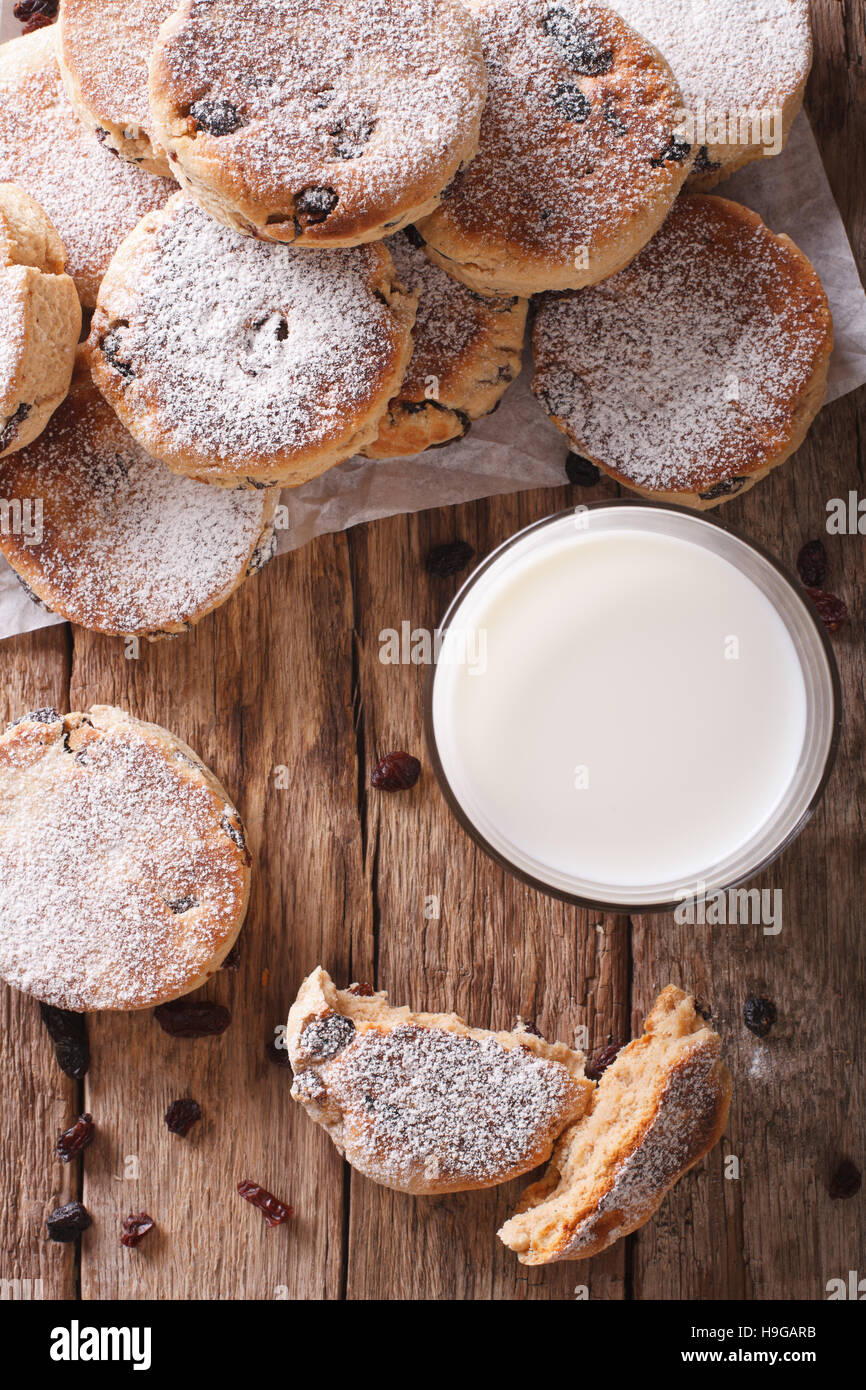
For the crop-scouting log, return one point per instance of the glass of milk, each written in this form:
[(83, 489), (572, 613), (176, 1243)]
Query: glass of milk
[(632, 706)]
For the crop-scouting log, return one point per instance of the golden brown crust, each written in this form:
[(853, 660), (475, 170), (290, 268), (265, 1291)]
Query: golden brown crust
[(421, 1102), (466, 352), (382, 109), (40, 320), (126, 873), (102, 50), (242, 363), (699, 368), (576, 167), (658, 1109), (124, 545)]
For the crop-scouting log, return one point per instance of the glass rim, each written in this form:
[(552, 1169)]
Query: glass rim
[(611, 905)]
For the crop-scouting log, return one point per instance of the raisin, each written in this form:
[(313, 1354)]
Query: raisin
[(216, 117), (67, 1222), (111, 352), (75, 1140), (348, 139), (362, 988), (35, 14), (183, 1018), (812, 564), (135, 1228), (327, 1035), (315, 204), (396, 772), (37, 716), (528, 1025), (181, 904), (599, 1064), (703, 164), (727, 488), (674, 153), (446, 560), (273, 1210), (9, 433), (181, 1115), (615, 121), (833, 611), (414, 237), (571, 102), (236, 835), (846, 1181), (759, 1014), (580, 471), (233, 960), (68, 1032), (581, 49)]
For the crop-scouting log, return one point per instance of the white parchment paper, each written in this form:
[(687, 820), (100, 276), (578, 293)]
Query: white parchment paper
[(517, 447)]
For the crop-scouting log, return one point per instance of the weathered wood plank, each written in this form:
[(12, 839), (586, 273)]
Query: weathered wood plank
[(495, 949), (263, 685), (37, 1101)]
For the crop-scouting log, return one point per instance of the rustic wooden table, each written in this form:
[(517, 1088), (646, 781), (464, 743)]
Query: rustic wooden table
[(287, 676)]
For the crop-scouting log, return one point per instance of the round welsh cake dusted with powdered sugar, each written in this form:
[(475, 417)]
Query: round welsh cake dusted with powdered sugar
[(244, 363), (467, 351), (698, 368), (422, 1102), (125, 545), (125, 873), (742, 67), (92, 198), (577, 164), (322, 122), (103, 49)]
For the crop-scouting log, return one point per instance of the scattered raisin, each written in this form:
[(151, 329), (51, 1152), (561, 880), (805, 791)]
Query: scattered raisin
[(9, 433), (324, 1037), (37, 716), (233, 960), (674, 152), (362, 988), (615, 121), (396, 772), (35, 14), (181, 1115), (580, 471), (183, 1018), (727, 488), (759, 1014), (599, 1064), (75, 1140), (446, 560), (273, 1210), (67, 1222), (111, 350), (832, 611), (135, 1228), (581, 49), (68, 1032), (216, 117), (315, 204), (236, 835), (348, 139), (571, 102), (812, 564), (846, 1181), (181, 904)]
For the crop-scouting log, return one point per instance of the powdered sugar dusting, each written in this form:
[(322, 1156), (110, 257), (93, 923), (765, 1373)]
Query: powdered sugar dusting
[(93, 198), (367, 97), (237, 349), (423, 1101), (127, 546), (564, 157), (685, 368), (729, 54), (107, 44), (99, 835)]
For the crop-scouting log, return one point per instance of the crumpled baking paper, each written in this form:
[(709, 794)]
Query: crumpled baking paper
[(518, 447)]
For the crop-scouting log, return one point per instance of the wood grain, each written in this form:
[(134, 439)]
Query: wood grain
[(284, 695)]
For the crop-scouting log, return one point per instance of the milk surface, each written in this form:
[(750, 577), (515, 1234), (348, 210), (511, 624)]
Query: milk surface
[(639, 714)]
